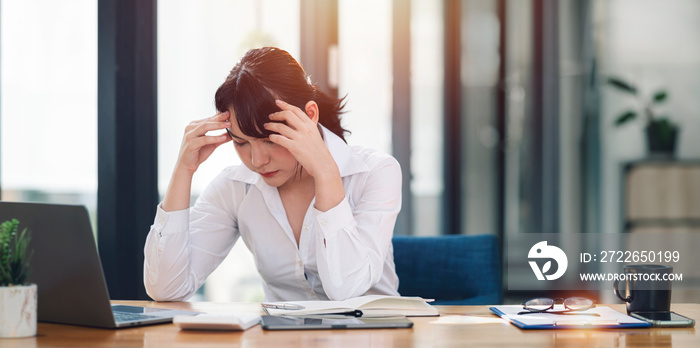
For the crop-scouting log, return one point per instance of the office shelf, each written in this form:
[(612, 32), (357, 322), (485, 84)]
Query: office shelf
[(662, 195)]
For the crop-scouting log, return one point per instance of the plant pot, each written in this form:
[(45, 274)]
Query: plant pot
[(18, 310), (661, 139)]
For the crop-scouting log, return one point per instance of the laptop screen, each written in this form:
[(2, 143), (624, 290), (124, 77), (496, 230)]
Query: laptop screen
[(65, 264)]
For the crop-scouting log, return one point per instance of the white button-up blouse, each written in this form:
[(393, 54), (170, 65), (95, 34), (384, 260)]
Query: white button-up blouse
[(342, 253)]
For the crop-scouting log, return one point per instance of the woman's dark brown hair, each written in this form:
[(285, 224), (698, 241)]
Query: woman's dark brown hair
[(269, 73)]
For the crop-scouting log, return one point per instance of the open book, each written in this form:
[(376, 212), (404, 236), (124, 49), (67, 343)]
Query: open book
[(365, 306)]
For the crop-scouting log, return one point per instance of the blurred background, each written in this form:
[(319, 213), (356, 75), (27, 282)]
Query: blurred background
[(501, 112)]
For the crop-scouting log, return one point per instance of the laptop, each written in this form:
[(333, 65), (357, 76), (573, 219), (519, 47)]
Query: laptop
[(67, 269)]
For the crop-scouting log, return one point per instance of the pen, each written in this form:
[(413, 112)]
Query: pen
[(356, 313), (340, 315), (288, 306)]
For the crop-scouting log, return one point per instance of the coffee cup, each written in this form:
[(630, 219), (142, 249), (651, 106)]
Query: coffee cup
[(647, 288)]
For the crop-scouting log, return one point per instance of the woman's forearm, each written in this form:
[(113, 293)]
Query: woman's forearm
[(177, 197), (329, 189)]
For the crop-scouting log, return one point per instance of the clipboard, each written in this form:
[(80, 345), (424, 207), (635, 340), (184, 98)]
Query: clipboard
[(600, 317)]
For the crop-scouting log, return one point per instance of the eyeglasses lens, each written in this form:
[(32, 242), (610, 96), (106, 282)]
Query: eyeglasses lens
[(538, 304), (578, 303)]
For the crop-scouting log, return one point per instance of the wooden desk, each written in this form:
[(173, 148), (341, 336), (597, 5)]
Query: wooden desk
[(425, 333)]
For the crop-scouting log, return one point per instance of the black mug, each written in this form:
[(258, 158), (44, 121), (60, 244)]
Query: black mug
[(646, 288)]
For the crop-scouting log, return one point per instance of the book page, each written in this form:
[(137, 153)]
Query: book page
[(311, 307), (370, 304), (383, 301)]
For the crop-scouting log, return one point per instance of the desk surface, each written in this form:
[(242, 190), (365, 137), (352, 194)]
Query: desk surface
[(427, 332)]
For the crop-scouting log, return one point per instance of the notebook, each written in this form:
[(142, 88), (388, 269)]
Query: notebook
[(67, 269), (599, 317), (363, 306), (304, 323)]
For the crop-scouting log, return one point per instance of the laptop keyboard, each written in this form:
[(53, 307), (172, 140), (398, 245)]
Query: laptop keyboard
[(124, 316)]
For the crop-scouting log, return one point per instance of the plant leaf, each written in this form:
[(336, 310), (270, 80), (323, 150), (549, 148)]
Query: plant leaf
[(616, 82), (624, 118), (660, 96), (14, 259), (546, 267)]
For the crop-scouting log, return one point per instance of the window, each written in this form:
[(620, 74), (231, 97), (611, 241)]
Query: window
[(427, 71), (364, 40), (48, 114)]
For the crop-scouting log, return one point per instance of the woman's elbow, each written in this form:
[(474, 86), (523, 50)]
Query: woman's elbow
[(166, 292), (342, 293), (349, 288), (161, 295)]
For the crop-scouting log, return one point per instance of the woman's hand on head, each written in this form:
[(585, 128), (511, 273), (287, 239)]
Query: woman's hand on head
[(300, 135), (297, 131), (197, 146)]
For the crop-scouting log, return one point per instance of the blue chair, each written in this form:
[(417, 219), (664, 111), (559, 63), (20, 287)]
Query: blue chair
[(453, 270)]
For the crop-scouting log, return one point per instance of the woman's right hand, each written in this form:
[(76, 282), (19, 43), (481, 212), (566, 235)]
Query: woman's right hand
[(196, 146)]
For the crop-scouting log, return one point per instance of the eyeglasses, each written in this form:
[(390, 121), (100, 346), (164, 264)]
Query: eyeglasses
[(543, 304)]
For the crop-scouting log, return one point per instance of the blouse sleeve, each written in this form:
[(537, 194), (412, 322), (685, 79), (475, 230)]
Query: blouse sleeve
[(353, 242), (184, 247)]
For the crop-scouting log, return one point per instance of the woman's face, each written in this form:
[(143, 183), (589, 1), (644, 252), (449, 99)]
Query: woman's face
[(273, 162)]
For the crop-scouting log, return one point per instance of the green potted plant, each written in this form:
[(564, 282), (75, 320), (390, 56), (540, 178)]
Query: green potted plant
[(18, 300), (661, 132)]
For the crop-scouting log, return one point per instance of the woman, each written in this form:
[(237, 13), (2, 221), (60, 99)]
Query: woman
[(317, 214)]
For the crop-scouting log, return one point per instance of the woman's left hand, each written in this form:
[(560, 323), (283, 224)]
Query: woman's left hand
[(300, 135)]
